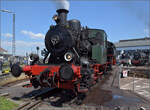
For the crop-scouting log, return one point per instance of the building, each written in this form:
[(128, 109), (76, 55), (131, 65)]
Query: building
[(4, 54), (134, 44), (3, 51)]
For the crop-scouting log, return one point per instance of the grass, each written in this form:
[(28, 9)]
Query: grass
[(6, 104)]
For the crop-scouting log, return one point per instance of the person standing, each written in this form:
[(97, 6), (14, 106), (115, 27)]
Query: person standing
[(10, 63)]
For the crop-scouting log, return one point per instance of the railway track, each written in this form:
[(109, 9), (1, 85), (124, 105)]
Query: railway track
[(36, 100), (4, 75), (9, 84), (29, 105), (4, 94), (63, 98), (33, 104), (48, 97)]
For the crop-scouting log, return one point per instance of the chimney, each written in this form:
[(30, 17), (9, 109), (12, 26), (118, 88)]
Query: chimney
[(62, 16)]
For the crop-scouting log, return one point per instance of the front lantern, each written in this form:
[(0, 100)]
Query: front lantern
[(68, 56)]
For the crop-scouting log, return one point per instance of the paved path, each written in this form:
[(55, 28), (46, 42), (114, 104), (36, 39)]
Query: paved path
[(140, 86)]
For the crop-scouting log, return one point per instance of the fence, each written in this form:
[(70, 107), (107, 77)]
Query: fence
[(138, 81)]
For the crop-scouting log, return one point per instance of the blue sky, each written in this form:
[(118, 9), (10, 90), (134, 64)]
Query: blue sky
[(121, 19)]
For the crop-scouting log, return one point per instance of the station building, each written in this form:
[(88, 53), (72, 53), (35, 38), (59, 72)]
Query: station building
[(4, 54), (133, 44)]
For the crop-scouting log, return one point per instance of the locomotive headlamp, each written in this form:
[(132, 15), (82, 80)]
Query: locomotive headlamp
[(68, 56), (55, 17)]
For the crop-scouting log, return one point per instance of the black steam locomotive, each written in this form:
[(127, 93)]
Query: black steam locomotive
[(140, 58), (77, 56)]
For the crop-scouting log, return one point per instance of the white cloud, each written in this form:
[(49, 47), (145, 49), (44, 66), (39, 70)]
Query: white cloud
[(20, 43), (22, 46), (33, 35), (7, 35)]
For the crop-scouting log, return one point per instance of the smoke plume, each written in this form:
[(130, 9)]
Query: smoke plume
[(62, 4), (138, 11)]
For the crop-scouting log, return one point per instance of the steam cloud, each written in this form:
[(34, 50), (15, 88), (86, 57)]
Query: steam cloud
[(62, 4)]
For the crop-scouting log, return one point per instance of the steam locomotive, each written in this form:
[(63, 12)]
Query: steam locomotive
[(77, 56), (140, 58)]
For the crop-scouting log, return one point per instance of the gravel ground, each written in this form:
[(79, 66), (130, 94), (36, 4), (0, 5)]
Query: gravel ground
[(140, 86), (111, 96), (103, 96)]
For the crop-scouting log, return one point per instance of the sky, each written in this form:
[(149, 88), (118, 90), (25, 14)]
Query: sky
[(121, 19)]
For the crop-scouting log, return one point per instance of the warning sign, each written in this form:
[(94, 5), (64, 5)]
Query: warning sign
[(125, 73)]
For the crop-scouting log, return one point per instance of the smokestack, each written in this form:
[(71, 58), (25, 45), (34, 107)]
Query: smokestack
[(62, 16)]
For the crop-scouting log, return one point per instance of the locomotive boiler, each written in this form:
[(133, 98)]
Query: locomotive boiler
[(77, 56)]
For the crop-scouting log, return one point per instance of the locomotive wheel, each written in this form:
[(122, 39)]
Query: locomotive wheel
[(80, 98), (35, 83)]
